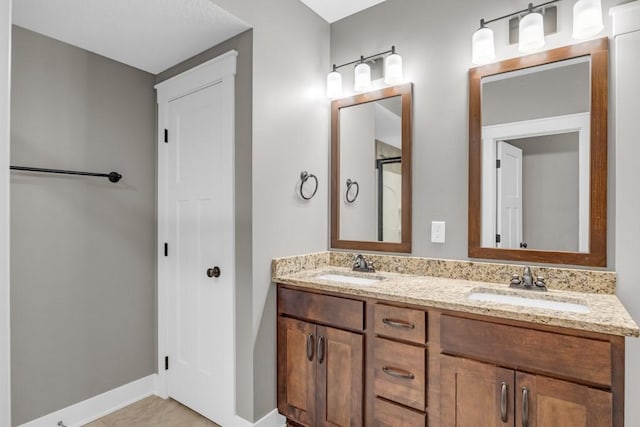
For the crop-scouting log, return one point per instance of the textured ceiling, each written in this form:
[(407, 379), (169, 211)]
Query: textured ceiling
[(334, 10), (151, 35)]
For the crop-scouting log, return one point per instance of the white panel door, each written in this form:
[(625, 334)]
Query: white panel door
[(509, 191), (201, 237)]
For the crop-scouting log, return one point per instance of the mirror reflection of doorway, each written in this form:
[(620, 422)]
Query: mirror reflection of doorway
[(509, 192), (389, 199)]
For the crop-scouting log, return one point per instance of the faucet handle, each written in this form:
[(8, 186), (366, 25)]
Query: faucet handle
[(515, 279), (540, 282), (370, 267)]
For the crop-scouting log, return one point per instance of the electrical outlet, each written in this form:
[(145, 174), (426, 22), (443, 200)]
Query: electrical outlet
[(437, 231)]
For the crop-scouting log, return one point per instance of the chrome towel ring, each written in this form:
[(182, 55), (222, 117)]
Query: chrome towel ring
[(304, 177), (350, 184)]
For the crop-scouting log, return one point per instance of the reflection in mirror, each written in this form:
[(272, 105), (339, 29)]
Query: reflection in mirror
[(371, 156), (371, 170), (537, 157), (535, 147)]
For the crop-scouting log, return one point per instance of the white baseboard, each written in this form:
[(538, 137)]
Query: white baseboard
[(272, 419), (98, 406), (106, 403)]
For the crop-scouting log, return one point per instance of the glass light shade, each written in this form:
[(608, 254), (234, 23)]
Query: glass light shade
[(334, 84), (362, 76), (531, 34), (483, 47), (587, 18), (393, 69)]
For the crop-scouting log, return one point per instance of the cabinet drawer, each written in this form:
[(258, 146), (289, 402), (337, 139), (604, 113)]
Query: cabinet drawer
[(564, 356), (400, 323), (341, 312), (386, 414), (400, 373)]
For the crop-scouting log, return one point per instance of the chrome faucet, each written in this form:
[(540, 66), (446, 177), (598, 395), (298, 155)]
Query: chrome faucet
[(528, 281), (361, 264)]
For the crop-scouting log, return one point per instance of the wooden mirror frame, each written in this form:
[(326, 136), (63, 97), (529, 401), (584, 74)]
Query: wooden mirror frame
[(405, 91), (597, 255)]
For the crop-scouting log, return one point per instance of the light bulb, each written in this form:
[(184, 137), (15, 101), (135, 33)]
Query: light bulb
[(587, 18), (362, 75), (482, 46), (531, 33), (393, 69), (334, 84)]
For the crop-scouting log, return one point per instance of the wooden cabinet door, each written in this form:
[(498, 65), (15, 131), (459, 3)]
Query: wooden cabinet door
[(297, 370), (340, 378), (475, 394), (546, 402)]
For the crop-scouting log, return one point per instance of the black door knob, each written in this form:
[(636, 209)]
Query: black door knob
[(213, 272)]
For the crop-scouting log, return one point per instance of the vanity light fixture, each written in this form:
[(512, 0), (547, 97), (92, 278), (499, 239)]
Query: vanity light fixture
[(334, 84), (531, 31), (362, 76), (587, 22), (483, 46), (587, 19), (362, 73), (393, 68)]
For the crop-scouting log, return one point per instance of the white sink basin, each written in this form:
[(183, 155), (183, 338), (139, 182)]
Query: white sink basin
[(352, 280), (535, 301)]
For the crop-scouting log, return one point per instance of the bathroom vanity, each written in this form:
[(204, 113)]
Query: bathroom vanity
[(392, 349)]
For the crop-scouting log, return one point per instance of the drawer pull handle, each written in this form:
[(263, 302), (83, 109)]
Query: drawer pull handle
[(321, 349), (525, 407), (310, 347), (398, 373), (398, 323), (503, 402)]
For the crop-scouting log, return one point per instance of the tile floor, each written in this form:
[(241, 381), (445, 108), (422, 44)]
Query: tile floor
[(154, 412)]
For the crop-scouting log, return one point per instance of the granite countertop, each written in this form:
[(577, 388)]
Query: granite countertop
[(606, 313)]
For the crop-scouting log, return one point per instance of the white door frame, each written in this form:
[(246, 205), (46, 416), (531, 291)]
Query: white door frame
[(579, 122), (5, 307), (221, 69)]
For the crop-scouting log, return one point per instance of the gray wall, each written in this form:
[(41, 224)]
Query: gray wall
[(545, 93), (359, 219), (5, 337), (550, 191), (243, 44), (627, 204), (83, 249)]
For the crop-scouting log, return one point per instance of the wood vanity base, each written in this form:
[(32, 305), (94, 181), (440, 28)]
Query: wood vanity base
[(348, 361)]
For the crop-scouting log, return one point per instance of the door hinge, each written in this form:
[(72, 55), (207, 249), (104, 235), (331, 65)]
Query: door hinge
[(498, 163), (166, 363), (166, 135), (166, 249), (498, 238)]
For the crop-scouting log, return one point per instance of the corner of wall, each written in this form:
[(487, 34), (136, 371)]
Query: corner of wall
[(5, 335)]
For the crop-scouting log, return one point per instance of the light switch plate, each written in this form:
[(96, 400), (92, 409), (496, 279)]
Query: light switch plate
[(437, 231)]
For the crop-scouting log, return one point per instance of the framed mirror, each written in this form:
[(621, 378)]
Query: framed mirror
[(371, 170), (538, 157)]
